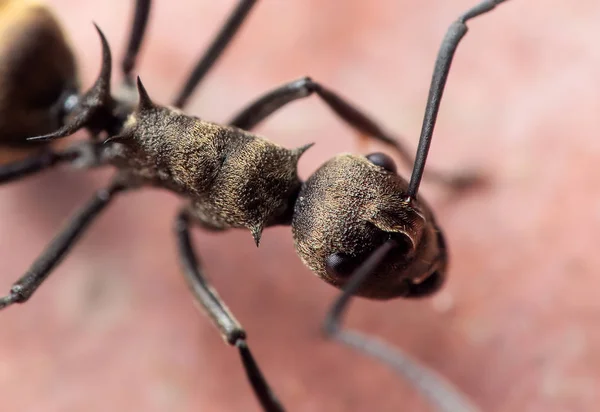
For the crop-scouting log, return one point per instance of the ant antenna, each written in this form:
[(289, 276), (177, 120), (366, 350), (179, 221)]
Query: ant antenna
[(438, 82)]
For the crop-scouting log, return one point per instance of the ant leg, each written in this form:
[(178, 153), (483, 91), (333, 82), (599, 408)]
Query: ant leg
[(230, 329), (83, 154), (32, 165), (435, 388), (138, 28), (214, 51), (438, 82), (274, 100), (22, 289)]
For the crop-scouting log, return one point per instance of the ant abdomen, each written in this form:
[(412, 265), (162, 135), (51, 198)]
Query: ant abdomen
[(351, 206), (37, 73)]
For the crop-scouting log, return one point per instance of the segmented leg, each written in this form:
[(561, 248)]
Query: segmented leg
[(82, 154), (32, 165), (274, 100), (228, 326), (136, 36), (435, 388), (214, 51), (58, 248)]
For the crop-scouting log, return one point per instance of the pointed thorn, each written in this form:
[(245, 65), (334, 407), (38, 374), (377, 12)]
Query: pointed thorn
[(88, 104), (256, 233), (145, 101), (300, 150), (50, 136), (114, 139), (105, 70), (60, 133)]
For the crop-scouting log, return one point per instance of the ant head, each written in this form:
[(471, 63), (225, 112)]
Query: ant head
[(38, 72), (351, 206)]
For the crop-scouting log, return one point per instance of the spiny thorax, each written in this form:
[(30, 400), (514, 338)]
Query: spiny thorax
[(233, 178)]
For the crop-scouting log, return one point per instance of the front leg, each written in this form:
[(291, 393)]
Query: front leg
[(230, 329), (441, 393)]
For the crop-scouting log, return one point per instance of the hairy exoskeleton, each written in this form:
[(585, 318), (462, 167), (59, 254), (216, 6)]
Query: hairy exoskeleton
[(356, 222), (351, 206), (234, 179)]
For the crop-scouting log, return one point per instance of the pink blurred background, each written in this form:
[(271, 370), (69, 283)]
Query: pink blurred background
[(516, 326)]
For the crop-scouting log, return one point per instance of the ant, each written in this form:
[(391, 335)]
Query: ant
[(356, 223)]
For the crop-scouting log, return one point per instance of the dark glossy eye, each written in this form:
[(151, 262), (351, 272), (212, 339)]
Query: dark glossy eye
[(382, 160), (340, 265), (403, 244)]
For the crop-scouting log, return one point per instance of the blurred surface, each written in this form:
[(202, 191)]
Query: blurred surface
[(515, 328)]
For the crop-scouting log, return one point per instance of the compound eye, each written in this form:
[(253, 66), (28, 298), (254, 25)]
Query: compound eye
[(340, 265), (402, 243), (382, 160)]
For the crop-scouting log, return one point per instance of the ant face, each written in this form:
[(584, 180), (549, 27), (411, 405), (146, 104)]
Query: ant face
[(350, 207)]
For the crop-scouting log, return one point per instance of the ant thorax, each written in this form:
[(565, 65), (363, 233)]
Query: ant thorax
[(233, 179)]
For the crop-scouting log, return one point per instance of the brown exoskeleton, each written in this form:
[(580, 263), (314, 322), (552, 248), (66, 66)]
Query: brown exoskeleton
[(356, 223), (32, 39)]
